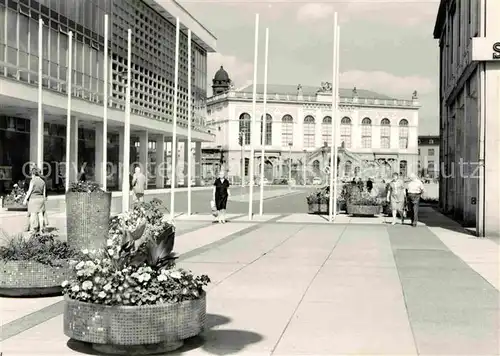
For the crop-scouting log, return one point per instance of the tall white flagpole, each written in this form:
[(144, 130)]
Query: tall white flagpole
[(105, 113), (126, 135), (40, 122), (173, 178), (190, 114), (337, 95), (253, 122), (264, 124), (69, 85), (331, 210)]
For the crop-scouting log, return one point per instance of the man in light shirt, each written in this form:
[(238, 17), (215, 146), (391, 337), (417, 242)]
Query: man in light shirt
[(415, 191)]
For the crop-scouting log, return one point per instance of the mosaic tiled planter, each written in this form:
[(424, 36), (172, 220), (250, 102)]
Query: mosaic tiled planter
[(87, 219), (15, 207), (363, 210), (134, 330), (31, 279)]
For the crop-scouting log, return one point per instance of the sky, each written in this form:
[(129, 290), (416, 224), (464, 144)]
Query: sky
[(385, 46)]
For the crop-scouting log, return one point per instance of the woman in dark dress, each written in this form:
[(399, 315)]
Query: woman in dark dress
[(221, 194)]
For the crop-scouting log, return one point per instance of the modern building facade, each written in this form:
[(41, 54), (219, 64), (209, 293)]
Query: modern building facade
[(428, 156), (377, 134), (152, 87), (469, 41)]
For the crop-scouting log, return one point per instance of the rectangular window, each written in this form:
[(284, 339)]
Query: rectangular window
[(286, 134), (309, 135), (345, 135), (431, 152)]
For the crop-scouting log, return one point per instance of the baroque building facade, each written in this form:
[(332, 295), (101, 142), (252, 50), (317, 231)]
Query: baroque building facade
[(376, 134), (469, 42)]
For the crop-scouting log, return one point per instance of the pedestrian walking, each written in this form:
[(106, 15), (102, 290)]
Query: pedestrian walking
[(138, 185), (415, 191), (35, 199), (220, 196), (396, 197)]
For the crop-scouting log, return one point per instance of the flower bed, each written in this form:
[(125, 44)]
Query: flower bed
[(129, 297), (87, 215), (14, 200), (34, 267)]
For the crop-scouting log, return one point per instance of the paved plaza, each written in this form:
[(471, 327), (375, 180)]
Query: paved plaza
[(289, 283)]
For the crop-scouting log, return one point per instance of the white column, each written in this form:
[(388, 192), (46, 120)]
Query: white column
[(187, 153), (99, 153), (121, 155), (143, 152), (160, 162), (73, 159), (197, 163), (35, 137)]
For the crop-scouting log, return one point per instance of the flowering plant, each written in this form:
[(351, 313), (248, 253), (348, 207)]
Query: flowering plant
[(17, 195), (137, 266), (358, 196), (84, 187)]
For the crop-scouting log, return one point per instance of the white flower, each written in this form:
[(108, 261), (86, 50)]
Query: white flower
[(107, 287), (75, 288), (15, 186), (90, 264), (87, 285), (144, 277), (64, 284), (109, 242), (162, 277), (101, 295), (111, 252), (176, 275), (85, 251), (80, 265)]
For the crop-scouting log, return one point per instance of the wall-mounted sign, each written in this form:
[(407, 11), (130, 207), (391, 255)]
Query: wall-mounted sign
[(485, 49)]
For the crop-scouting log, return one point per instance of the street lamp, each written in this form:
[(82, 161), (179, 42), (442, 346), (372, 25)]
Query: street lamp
[(290, 163), (304, 167)]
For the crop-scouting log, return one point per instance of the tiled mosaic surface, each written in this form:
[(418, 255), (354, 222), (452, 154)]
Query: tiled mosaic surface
[(87, 219), (133, 325), (30, 274)]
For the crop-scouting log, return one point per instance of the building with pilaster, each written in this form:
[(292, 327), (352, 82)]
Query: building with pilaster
[(152, 89), (376, 135), (469, 41)]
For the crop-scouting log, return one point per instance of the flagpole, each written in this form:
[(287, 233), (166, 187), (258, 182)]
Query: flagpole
[(337, 71), (126, 130), (69, 85), (105, 113), (40, 122), (331, 210), (264, 124), (173, 178), (253, 122), (190, 160)]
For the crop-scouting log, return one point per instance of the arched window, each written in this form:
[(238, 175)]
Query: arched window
[(326, 131), (403, 134), (309, 132), (366, 133), (347, 168), (385, 133), (286, 130), (269, 130), (345, 132), (245, 127), (403, 168)]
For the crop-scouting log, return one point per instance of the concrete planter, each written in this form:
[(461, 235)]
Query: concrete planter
[(87, 219), (31, 279), (134, 330), (363, 210)]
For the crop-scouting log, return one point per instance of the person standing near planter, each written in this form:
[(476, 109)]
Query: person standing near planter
[(35, 199), (220, 195), (138, 185), (415, 191), (396, 197)]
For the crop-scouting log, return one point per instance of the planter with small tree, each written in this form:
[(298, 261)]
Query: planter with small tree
[(361, 203), (87, 215), (129, 297), (34, 266)]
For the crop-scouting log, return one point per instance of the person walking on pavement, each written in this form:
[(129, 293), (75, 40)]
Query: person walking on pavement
[(220, 196), (396, 197), (415, 191), (35, 199), (138, 185)]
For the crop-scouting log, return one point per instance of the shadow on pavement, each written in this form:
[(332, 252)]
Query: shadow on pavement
[(431, 217), (213, 340)]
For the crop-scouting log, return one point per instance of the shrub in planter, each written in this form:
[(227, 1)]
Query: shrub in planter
[(35, 266), (129, 297), (360, 202), (14, 200), (87, 215)]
